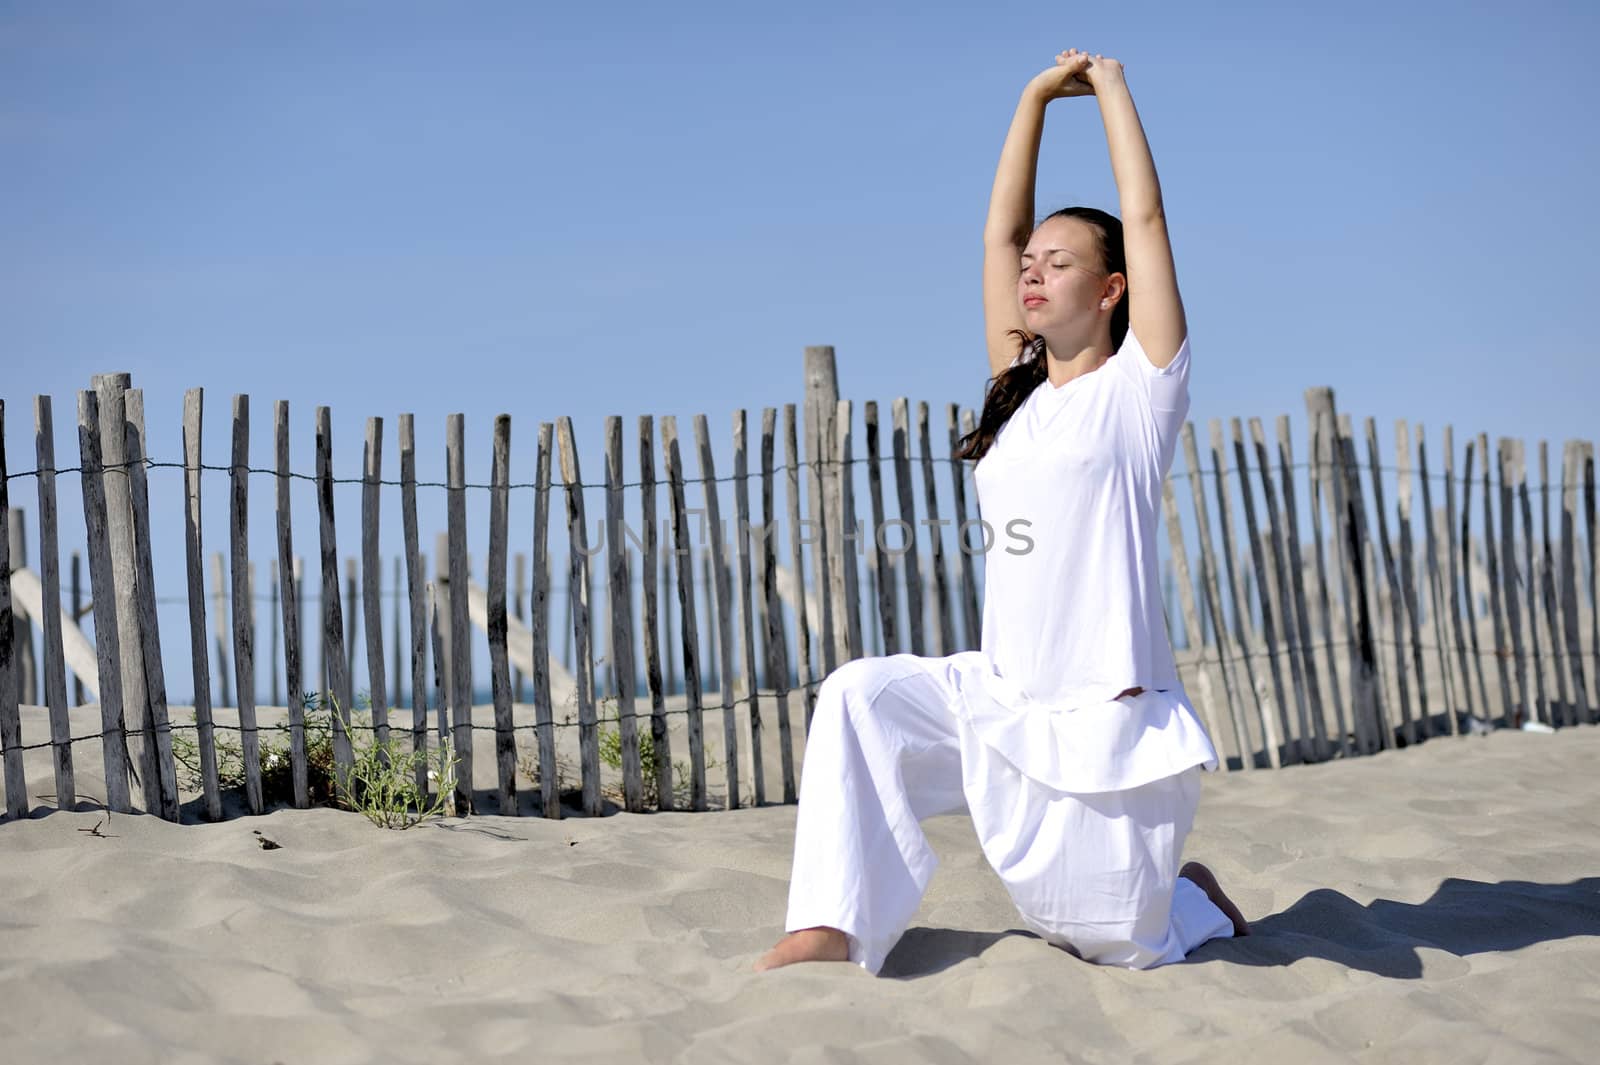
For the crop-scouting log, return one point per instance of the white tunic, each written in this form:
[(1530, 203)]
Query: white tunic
[(1081, 800), (1072, 611)]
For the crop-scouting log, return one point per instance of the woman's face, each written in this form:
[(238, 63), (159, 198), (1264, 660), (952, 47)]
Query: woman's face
[(1063, 279)]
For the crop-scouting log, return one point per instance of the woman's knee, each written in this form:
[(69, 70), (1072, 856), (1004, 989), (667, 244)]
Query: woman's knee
[(857, 679), (889, 693)]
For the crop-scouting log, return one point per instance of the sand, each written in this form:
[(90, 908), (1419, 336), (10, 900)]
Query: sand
[(1435, 904)]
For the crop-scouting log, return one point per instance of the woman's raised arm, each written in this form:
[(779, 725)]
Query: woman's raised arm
[(1155, 310), (1010, 220)]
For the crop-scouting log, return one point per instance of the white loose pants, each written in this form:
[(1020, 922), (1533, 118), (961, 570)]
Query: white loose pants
[(1094, 873)]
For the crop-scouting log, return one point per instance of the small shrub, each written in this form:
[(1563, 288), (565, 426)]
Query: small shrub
[(381, 783), (611, 754)]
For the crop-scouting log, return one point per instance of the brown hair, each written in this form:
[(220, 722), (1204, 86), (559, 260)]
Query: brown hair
[(1013, 385)]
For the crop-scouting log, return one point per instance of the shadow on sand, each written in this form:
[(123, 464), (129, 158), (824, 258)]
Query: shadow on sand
[(1463, 917)]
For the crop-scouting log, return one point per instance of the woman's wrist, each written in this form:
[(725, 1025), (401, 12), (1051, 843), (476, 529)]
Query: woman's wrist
[(1108, 79), (1036, 93)]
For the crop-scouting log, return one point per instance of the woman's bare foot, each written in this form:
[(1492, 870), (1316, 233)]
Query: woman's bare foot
[(808, 944), (1206, 881)]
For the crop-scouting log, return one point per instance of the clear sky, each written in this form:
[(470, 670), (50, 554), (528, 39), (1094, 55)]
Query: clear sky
[(582, 210)]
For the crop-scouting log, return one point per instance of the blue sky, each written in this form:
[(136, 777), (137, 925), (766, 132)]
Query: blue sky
[(585, 210)]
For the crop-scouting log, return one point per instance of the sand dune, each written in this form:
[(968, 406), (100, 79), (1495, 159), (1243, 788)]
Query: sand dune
[(1440, 903)]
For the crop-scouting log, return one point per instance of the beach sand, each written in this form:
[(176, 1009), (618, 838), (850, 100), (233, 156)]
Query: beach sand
[(1435, 904)]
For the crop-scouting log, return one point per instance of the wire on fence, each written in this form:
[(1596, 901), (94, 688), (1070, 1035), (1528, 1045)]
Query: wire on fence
[(817, 464), (1191, 656), (393, 727)]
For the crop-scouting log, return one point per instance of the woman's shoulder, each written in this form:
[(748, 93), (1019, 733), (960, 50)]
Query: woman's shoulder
[(1133, 360)]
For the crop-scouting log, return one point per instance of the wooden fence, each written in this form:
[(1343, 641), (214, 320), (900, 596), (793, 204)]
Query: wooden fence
[(1311, 620)]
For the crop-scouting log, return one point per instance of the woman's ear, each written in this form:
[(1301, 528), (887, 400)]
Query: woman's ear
[(1116, 287)]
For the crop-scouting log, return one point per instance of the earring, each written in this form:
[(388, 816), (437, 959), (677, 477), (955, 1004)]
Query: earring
[(1104, 304)]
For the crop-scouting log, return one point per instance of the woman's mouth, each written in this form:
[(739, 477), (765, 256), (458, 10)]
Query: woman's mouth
[(1033, 301)]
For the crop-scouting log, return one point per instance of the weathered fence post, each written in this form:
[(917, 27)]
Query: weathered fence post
[(1334, 465), (1408, 574), (289, 600), (1442, 613), (505, 743), (886, 598), (683, 551), (333, 660), (656, 567), (821, 401), (1586, 463), (850, 535), (804, 675), (1509, 706), (243, 608), (166, 781), (1560, 652), (1397, 602), (1506, 459), (776, 641), (1364, 582), (107, 646), (460, 646), (55, 677), (10, 715), (620, 596), (1295, 589), (970, 609), (1461, 584), (539, 616), (901, 413), (717, 588), (741, 503), (944, 622), (1570, 614), (1466, 579), (416, 593), (371, 583), (1318, 489), (1530, 577), (578, 577), (131, 720)]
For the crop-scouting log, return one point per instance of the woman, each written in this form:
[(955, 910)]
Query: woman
[(1068, 736)]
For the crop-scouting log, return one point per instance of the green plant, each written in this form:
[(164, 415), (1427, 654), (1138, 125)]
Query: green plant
[(649, 766), (381, 783), (277, 776)]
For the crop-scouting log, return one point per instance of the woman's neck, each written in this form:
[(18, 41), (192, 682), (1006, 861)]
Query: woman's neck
[(1074, 359)]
